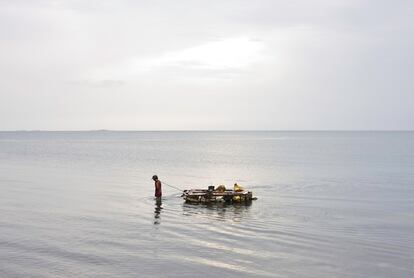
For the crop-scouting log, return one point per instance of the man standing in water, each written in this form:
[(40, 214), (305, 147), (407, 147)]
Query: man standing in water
[(157, 184)]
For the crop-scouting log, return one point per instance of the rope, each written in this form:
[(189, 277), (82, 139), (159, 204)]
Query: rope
[(172, 186)]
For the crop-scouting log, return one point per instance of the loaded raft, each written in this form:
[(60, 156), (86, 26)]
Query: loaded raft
[(217, 195)]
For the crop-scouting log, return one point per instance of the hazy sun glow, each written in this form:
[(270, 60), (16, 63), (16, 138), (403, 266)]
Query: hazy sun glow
[(228, 53), (231, 53)]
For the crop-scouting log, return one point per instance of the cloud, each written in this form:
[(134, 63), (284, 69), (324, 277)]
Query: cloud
[(105, 83)]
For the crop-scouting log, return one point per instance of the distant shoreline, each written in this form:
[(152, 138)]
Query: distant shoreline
[(224, 130)]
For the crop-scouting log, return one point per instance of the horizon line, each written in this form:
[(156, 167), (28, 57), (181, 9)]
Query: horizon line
[(209, 130)]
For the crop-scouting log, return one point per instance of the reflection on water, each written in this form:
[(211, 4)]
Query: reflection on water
[(219, 211), (157, 211)]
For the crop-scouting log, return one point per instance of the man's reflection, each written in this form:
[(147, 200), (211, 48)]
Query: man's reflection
[(157, 211)]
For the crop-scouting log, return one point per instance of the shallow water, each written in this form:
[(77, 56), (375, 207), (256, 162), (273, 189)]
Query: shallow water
[(330, 204)]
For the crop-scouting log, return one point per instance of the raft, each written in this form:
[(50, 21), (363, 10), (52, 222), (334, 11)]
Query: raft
[(210, 195)]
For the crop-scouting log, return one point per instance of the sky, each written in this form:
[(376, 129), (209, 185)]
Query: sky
[(207, 65)]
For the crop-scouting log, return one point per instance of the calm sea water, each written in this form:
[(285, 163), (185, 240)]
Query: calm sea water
[(330, 204)]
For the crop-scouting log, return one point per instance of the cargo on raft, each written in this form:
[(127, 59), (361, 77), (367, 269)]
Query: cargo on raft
[(217, 195)]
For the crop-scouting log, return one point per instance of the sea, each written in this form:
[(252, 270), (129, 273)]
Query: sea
[(329, 204)]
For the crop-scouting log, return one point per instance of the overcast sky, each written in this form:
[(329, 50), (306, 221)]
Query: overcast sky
[(233, 64)]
